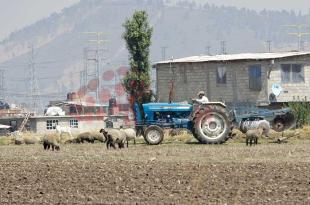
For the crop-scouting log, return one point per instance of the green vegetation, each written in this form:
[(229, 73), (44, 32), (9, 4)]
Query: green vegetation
[(138, 35), (301, 111), (5, 140)]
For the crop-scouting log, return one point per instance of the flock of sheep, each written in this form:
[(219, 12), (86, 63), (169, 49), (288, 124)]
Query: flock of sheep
[(114, 137), (110, 136)]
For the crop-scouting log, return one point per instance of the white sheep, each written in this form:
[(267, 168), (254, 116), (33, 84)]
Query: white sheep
[(130, 134), (62, 129), (253, 135)]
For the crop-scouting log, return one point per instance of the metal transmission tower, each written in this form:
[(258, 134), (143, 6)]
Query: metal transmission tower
[(34, 89), (299, 34), (92, 62), (2, 84)]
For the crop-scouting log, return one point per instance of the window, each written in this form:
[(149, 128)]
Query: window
[(51, 124), (255, 77), (292, 73), (74, 123), (221, 75)]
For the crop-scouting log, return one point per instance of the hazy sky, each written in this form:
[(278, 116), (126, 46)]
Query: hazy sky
[(16, 14)]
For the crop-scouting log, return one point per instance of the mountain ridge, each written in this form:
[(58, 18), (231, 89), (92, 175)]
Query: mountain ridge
[(185, 29)]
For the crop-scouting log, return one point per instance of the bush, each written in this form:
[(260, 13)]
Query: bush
[(301, 112)]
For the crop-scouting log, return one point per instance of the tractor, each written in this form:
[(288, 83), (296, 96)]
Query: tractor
[(210, 123)]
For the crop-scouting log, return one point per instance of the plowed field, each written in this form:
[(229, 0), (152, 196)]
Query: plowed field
[(164, 174)]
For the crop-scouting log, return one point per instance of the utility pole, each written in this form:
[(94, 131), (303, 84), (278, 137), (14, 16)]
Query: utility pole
[(269, 45), (299, 34), (207, 50), (223, 47), (34, 89), (163, 52), (92, 62)]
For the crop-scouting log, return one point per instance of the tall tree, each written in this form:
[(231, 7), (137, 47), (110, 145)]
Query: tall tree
[(138, 35)]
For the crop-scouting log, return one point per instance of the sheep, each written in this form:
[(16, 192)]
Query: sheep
[(98, 136), (130, 134), (178, 131), (85, 136), (51, 140), (60, 130), (30, 140), (113, 136), (253, 135), (19, 141)]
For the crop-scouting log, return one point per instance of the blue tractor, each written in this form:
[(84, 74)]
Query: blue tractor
[(210, 123)]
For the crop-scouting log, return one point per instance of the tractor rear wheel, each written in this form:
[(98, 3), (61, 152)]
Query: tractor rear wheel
[(153, 135), (211, 125)]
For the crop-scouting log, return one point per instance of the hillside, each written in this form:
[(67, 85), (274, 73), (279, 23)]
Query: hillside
[(184, 28)]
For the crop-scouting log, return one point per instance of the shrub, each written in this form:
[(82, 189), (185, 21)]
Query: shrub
[(301, 112)]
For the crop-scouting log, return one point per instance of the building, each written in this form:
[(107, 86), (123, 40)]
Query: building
[(255, 78), (79, 116)]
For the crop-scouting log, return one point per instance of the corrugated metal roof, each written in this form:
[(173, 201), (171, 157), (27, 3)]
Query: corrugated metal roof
[(234, 57)]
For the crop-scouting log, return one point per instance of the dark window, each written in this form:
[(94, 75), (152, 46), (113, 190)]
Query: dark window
[(285, 74), (51, 124), (292, 73), (74, 123), (221, 75), (255, 77)]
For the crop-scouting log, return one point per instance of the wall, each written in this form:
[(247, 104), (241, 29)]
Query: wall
[(85, 124), (193, 77), (190, 78), (291, 91)]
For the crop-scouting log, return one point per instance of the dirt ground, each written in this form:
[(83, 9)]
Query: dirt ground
[(175, 173)]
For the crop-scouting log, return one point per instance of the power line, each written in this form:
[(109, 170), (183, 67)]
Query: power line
[(299, 34)]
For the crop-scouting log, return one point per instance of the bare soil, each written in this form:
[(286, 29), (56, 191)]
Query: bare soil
[(175, 173)]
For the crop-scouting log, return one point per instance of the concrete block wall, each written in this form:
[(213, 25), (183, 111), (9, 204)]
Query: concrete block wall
[(193, 77), (291, 91)]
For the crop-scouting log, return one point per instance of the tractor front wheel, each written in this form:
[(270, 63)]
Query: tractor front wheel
[(153, 135)]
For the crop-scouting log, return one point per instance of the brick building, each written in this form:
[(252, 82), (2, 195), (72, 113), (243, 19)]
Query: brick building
[(259, 78)]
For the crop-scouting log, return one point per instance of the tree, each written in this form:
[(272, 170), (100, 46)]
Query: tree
[(138, 35)]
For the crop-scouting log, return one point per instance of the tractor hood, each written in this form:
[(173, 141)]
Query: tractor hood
[(154, 107)]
